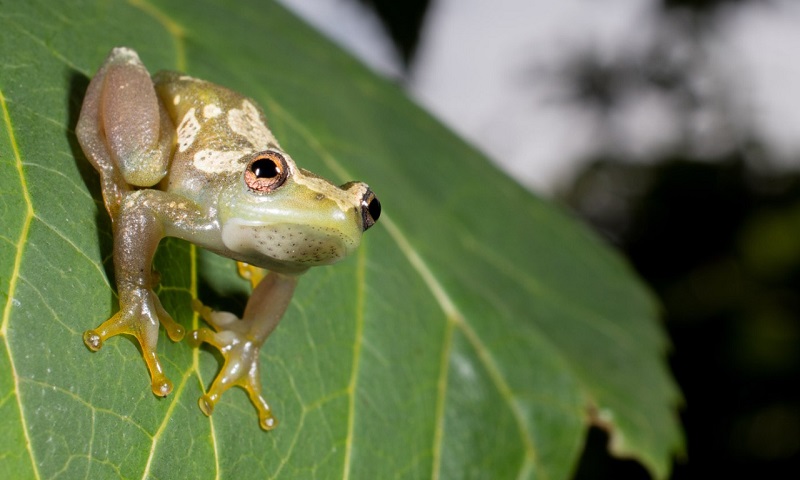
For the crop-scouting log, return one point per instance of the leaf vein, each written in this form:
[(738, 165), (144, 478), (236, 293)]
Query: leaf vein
[(436, 288), (171, 26), (164, 423), (441, 397), (96, 265), (351, 388), (193, 274), (14, 277), (89, 406)]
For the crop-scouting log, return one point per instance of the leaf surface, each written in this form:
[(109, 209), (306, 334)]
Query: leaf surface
[(477, 333)]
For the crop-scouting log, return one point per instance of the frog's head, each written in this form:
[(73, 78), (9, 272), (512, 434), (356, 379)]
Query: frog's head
[(281, 216)]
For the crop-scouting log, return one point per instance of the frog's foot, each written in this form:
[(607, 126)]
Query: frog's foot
[(140, 317), (241, 367)]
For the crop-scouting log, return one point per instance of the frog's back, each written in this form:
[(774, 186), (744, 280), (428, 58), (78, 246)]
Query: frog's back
[(216, 130)]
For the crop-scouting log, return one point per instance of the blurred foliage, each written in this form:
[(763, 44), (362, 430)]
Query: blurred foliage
[(718, 243), (403, 22), (697, 6), (716, 236)]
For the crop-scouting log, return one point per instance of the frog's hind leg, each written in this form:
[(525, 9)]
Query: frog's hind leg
[(123, 128)]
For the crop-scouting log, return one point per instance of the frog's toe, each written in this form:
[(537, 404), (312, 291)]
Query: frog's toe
[(206, 404), (93, 340), (199, 336), (265, 418), (175, 331), (218, 320), (252, 273), (162, 386), (194, 339), (266, 421), (113, 326)]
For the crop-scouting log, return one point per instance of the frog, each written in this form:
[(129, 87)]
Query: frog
[(182, 157)]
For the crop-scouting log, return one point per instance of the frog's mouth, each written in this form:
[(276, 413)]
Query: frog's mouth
[(287, 243)]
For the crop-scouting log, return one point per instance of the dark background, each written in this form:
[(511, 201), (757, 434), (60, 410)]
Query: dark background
[(717, 239)]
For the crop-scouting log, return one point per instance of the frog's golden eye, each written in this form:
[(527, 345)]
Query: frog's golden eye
[(370, 209), (266, 172)]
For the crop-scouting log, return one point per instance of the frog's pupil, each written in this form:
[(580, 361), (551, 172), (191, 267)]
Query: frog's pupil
[(265, 168), (374, 208)]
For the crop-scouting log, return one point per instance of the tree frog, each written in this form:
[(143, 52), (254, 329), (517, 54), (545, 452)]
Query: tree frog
[(182, 157)]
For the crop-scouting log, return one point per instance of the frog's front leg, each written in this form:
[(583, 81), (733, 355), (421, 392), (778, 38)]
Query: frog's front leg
[(240, 342), (137, 231)]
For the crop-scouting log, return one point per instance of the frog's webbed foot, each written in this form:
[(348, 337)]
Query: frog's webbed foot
[(240, 352), (139, 315)]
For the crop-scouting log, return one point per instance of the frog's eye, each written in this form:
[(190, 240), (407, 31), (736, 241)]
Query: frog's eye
[(266, 172), (370, 209)]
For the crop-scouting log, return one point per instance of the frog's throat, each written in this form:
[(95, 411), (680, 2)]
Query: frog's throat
[(301, 245)]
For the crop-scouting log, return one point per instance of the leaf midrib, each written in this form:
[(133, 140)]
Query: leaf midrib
[(445, 302), (15, 275)]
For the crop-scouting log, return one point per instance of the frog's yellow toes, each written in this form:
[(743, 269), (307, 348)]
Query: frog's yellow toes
[(92, 340), (197, 337), (266, 421), (193, 339), (162, 387), (175, 331), (206, 404)]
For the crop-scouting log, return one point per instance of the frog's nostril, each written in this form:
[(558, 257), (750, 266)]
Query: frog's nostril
[(370, 209)]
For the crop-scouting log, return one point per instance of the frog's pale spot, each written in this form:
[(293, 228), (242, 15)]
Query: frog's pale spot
[(129, 55), (187, 130), (247, 123), (189, 79), (218, 161), (176, 100), (132, 199), (211, 111)]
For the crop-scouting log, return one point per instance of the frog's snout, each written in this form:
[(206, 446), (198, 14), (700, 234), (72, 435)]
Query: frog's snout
[(369, 206)]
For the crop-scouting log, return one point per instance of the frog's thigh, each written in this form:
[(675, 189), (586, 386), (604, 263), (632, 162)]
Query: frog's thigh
[(137, 128)]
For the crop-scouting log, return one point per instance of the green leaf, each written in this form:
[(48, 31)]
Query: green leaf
[(477, 333)]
